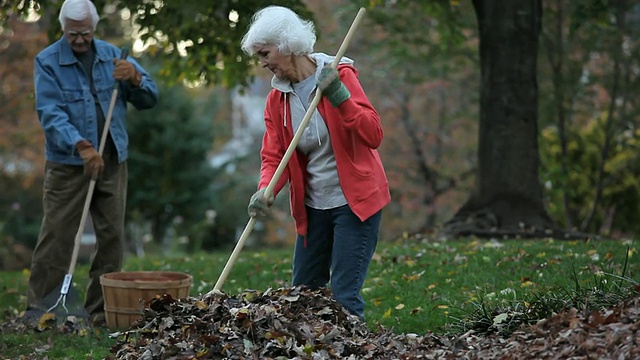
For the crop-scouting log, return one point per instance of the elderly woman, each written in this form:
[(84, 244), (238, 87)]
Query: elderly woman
[(337, 183)]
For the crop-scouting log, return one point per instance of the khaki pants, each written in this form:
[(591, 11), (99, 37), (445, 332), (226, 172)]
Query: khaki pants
[(65, 191)]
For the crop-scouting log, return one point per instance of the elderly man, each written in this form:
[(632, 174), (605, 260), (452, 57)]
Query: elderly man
[(74, 81)]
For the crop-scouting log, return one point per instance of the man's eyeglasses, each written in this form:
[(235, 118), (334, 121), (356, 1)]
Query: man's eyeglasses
[(76, 34)]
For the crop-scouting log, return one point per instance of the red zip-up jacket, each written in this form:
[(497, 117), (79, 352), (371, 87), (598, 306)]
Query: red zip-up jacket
[(356, 133)]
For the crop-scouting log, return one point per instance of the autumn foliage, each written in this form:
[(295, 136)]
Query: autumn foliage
[(21, 138)]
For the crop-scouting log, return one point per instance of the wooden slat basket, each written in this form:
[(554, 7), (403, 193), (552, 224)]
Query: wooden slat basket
[(126, 292)]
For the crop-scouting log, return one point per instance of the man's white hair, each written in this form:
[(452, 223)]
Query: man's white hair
[(280, 26), (78, 10)]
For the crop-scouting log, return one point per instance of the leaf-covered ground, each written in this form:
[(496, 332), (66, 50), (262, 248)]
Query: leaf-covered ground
[(299, 323)]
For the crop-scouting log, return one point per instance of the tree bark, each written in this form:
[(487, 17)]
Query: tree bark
[(507, 199)]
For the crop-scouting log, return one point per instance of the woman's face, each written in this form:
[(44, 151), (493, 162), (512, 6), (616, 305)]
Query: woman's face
[(270, 58)]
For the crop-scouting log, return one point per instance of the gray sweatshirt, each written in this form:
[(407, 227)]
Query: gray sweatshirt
[(323, 189)]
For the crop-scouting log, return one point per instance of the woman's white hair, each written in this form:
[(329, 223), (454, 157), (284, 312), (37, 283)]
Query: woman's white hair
[(280, 26), (78, 10)]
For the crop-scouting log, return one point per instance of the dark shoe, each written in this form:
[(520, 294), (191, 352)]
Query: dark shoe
[(31, 317), (98, 320)]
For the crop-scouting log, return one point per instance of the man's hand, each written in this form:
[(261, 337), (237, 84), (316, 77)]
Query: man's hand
[(93, 163), (258, 205), (125, 70), (331, 86)]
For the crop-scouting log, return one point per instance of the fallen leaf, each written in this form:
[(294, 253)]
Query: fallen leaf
[(46, 321)]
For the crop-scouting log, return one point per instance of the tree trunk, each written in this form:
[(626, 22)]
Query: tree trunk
[(508, 198)]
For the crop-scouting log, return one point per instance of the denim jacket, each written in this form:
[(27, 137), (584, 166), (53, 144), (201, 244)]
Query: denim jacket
[(66, 107)]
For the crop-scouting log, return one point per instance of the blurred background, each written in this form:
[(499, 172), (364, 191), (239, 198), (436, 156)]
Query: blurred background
[(194, 159)]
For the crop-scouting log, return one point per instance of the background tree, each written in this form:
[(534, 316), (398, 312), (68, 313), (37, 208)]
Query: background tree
[(168, 163), (18, 124), (508, 197), (21, 140), (428, 106), (199, 39), (590, 114)]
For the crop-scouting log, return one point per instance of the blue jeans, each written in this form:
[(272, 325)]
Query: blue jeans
[(338, 249)]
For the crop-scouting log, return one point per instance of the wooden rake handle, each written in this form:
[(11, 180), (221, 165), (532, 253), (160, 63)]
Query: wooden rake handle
[(92, 183), (287, 155)]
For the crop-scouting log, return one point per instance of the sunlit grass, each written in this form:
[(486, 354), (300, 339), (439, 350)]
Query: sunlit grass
[(437, 284)]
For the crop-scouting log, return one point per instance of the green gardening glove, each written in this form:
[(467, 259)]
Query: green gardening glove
[(259, 205), (331, 86)]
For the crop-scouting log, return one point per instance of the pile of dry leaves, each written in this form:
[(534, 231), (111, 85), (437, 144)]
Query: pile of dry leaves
[(299, 323)]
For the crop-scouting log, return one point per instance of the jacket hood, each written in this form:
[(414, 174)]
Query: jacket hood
[(321, 60)]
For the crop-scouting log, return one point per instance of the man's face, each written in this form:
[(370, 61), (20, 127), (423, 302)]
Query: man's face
[(79, 34)]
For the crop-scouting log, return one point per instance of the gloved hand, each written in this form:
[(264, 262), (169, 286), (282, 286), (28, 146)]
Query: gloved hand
[(258, 205), (125, 70), (93, 163), (331, 86)]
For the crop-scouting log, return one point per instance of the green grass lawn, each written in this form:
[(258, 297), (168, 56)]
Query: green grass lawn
[(414, 285)]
